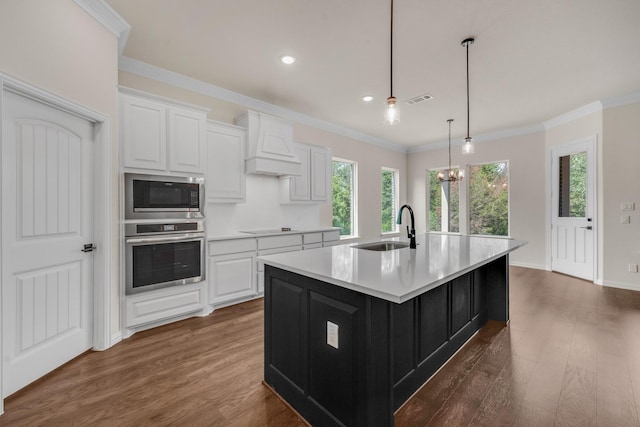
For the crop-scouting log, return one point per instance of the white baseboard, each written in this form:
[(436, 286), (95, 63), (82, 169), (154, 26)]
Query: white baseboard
[(527, 265), (116, 338), (622, 285)]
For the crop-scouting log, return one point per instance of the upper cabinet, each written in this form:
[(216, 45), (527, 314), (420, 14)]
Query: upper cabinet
[(269, 145), (314, 182), (160, 134), (225, 163)]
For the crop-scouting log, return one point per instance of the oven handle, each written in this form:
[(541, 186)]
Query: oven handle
[(165, 238)]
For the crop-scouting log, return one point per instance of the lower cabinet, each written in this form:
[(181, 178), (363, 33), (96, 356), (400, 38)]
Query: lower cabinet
[(231, 270), (162, 304), (232, 277)]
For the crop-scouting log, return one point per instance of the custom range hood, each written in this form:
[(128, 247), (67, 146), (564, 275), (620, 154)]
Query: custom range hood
[(269, 145)]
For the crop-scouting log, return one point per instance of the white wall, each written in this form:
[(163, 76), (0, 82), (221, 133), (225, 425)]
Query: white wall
[(526, 155), (621, 135)]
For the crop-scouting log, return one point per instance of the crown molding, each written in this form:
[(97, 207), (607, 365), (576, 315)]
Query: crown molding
[(109, 18), (162, 75), (572, 115), (485, 137), (620, 101)]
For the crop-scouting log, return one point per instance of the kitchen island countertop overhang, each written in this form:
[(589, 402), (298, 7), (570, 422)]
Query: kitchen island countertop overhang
[(396, 275)]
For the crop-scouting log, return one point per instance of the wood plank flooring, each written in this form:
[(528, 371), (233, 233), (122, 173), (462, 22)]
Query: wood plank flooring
[(570, 356)]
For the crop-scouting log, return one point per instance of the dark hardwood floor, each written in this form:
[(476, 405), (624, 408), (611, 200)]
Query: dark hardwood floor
[(570, 356)]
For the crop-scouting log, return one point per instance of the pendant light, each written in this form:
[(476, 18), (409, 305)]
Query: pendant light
[(451, 175), (391, 114), (467, 148)]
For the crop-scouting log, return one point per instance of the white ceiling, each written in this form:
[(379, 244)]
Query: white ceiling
[(531, 61)]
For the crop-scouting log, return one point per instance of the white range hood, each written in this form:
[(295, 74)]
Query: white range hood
[(269, 145)]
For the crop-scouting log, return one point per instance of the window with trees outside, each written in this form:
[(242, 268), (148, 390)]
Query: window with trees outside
[(489, 199), (343, 186), (389, 200), (444, 204)]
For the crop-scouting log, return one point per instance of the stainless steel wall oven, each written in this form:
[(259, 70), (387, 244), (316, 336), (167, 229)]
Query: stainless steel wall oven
[(160, 255)]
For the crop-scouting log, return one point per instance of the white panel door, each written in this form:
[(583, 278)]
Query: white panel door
[(573, 232), (46, 220)]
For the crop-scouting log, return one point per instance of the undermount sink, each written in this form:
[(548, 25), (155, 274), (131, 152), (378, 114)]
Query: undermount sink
[(382, 246)]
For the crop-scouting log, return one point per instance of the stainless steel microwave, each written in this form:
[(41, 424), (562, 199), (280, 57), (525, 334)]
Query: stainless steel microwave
[(161, 197)]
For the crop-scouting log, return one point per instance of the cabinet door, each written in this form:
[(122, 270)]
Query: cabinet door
[(144, 132), (186, 141), (320, 162), (231, 277), (225, 164), (300, 185)]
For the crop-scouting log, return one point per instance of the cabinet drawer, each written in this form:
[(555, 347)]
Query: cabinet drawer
[(279, 241), (312, 246), (276, 251), (231, 246), (329, 236), (165, 303), (311, 238)]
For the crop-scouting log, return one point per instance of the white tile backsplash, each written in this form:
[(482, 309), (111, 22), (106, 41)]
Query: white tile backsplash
[(262, 209)]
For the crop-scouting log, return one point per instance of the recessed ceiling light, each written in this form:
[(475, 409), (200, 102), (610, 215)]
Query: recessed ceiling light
[(367, 98), (288, 59)]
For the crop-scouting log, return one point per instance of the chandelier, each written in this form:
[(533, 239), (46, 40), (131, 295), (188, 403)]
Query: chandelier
[(450, 175)]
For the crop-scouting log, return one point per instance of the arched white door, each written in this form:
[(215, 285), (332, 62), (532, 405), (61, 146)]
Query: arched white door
[(47, 218)]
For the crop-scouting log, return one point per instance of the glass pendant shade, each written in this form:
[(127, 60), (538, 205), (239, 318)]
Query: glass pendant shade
[(467, 147), (391, 113)]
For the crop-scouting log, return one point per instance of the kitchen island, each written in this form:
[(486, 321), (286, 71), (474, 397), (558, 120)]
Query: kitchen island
[(351, 333)]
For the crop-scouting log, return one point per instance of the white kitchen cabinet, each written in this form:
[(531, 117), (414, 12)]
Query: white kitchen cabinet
[(314, 182), (186, 141), (232, 270), (232, 277), (162, 304), (143, 133), (160, 134), (225, 163), (331, 238), (311, 241)]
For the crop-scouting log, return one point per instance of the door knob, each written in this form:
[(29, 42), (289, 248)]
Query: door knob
[(89, 248), (588, 227)]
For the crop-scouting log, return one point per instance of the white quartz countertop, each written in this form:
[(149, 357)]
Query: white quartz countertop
[(397, 275), (253, 233)]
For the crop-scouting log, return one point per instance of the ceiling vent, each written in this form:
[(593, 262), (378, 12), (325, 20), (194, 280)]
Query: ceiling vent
[(419, 99)]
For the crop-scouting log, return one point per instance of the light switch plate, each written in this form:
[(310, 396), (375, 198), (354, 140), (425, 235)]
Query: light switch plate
[(332, 334), (628, 206), (625, 219)]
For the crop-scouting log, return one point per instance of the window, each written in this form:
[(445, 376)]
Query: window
[(489, 199), (444, 204), (344, 200), (573, 185), (389, 200)]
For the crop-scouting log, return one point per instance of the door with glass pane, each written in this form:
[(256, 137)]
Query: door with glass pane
[(573, 233)]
